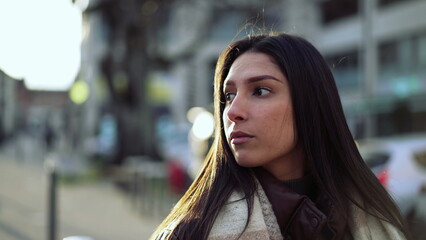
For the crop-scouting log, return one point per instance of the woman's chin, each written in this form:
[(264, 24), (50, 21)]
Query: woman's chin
[(246, 163)]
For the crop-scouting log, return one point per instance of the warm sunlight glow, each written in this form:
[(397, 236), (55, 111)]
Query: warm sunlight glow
[(41, 42)]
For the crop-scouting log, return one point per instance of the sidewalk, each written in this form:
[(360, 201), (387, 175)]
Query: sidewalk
[(99, 210), (93, 208)]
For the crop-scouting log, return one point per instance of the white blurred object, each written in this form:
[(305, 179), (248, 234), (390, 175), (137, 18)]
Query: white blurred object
[(203, 127), (77, 238), (192, 113), (399, 162), (82, 4)]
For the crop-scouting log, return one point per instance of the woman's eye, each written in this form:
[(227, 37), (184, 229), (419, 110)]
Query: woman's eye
[(261, 91), (229, 97)]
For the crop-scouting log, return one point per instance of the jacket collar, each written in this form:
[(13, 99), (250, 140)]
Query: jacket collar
[(298, 215)]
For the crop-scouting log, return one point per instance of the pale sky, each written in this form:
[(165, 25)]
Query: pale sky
[(40, 42)]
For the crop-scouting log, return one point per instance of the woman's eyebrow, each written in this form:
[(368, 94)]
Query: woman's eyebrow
[(252, 80)]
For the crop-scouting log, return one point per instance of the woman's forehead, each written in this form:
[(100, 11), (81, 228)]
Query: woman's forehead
[(252, 67)]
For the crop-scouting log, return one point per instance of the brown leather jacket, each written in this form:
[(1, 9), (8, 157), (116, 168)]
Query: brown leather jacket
[(298, 216)]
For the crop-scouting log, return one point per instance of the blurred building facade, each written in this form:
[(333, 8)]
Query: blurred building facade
[(41, 112), (34, 112), (376, 49), (117, 65), (8, 113), (148, 62)]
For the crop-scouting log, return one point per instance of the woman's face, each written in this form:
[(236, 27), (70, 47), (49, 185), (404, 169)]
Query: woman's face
[(258, 117)]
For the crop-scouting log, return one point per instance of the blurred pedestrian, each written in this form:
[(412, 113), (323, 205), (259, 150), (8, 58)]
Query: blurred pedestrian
[(49, 137), (284, 164)]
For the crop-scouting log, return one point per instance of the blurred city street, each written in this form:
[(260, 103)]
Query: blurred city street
[(94, 208), (118, 97)]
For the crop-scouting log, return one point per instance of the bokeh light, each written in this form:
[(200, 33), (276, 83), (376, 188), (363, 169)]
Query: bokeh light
[(193, 112), (203, 125), (79, 92)]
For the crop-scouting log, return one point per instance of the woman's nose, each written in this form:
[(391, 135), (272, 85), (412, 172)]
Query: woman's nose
[(237, 110)]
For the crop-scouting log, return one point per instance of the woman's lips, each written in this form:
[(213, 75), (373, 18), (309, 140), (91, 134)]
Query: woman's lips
[(238, 137)]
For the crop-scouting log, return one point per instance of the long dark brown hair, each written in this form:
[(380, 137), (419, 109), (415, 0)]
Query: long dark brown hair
[(330, 150)]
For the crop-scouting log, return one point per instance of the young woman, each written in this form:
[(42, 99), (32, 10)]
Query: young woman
[(283, 164)]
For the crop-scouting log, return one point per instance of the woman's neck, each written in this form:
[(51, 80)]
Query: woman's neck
[(291, 166)]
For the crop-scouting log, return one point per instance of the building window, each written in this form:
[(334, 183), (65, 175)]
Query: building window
[(421, 51), (400, 65), (398, 56), (226, 25), (388, 54), (346, 71), (336, 9), (389, 2), (237, 23)]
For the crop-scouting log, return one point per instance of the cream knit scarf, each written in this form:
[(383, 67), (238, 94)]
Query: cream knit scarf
[(263, 224)]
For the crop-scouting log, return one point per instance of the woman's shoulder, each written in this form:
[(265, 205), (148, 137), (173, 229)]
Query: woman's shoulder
[(366, 226)]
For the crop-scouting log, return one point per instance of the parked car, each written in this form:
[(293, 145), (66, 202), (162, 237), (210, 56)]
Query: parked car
[(400, 164)]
